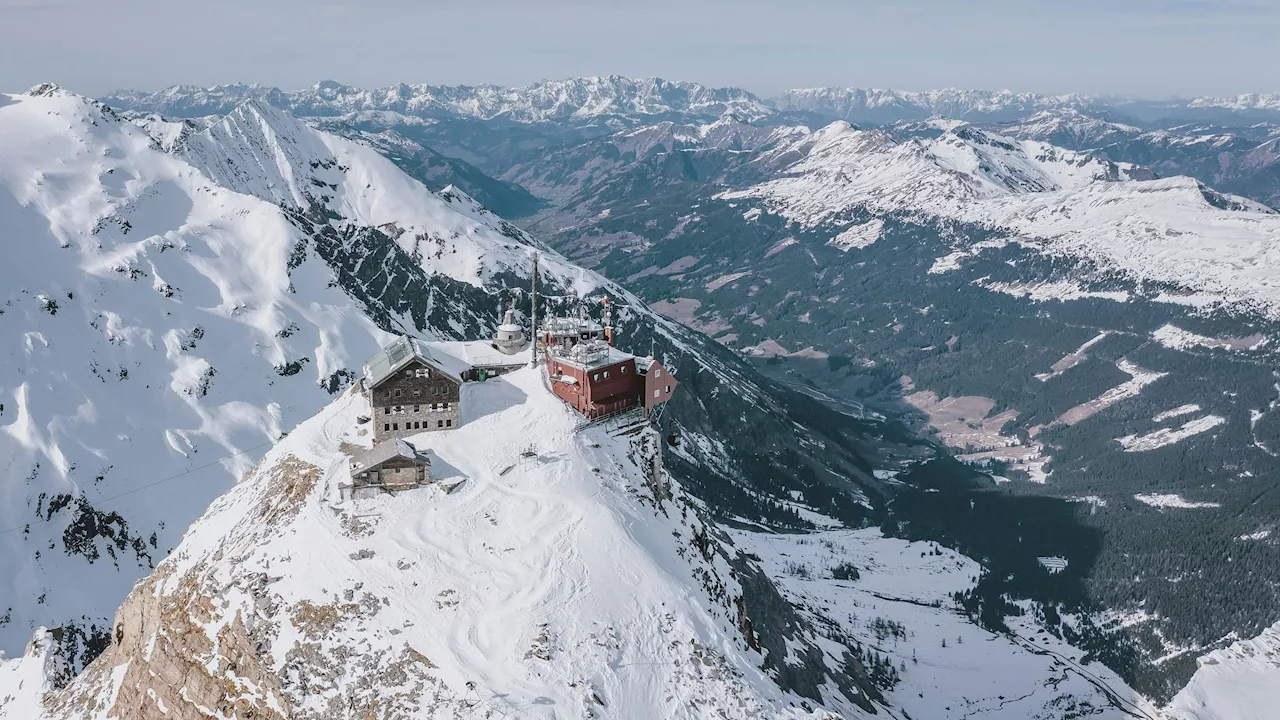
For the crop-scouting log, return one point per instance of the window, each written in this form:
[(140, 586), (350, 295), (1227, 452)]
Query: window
[(417, 408), (448, 423), (386, 427), (416, 392), (408, 373), (399, 392), (422, 373), (439, 423), (606, 374), (656, 392), (596, 377), (395, 426), (624, 369), (446, 406), (668, 388)]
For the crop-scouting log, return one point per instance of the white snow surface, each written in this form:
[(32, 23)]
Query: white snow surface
[(1239, 682), (858, 236), (1172, 500), (1176, 412), (977, 674), (146, 311), (1057, 201), (1168, 436), (556, 588)]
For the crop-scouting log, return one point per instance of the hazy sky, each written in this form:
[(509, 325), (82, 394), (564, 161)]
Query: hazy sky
[(1152, 48)]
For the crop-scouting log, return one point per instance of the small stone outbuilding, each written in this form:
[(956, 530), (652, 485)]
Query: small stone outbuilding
[(391, 465)]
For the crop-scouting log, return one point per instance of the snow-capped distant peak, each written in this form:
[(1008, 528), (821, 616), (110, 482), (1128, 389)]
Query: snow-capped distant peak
[(581, 98), (260, 150), (1171, 230)]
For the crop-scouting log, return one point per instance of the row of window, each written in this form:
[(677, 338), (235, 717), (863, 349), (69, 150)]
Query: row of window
[(596, 377), (399, 392), (417, 425), (399, 409)]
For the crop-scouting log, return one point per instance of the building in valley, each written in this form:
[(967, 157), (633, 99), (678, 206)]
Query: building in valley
[(411, 391)]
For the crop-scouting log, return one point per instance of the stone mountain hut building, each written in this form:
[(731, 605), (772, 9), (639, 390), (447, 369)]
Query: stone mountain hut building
[(410, 391)]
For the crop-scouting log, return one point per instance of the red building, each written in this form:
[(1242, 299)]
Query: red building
[(594, 377)]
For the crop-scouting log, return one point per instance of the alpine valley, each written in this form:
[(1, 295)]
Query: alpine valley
[(977, 414)]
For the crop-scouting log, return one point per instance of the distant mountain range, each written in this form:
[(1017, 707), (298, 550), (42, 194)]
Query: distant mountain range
[(1075, 295), (589, 98)]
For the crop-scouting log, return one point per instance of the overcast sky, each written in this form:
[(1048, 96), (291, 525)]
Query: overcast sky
[(1151, 48)]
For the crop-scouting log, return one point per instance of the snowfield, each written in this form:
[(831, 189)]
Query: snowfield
[(1171, 500), (1059, 202), (1168, 436), (1240, 682), (901, 606), (159, 329), (543, 575)]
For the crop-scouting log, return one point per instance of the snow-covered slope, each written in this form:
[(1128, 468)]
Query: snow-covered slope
[(1238, 682), (181, 294), (548, 573), (1070, 128), (1172, 230), (159, 328)]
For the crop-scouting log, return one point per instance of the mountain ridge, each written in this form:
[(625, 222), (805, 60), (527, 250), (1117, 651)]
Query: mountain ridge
[(594, 96)]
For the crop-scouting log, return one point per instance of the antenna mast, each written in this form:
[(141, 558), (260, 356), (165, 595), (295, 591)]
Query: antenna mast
[(533, 312)]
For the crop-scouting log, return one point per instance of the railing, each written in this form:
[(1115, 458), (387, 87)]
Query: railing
[(616, 414)]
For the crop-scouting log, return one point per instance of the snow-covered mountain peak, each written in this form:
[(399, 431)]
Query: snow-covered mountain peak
[(962, 165), (546, 573), (184, 312), (45, 90), (1069, 127), (263, 151)]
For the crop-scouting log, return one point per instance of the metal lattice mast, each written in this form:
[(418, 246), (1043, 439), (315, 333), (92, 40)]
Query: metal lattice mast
[(533, 312)]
